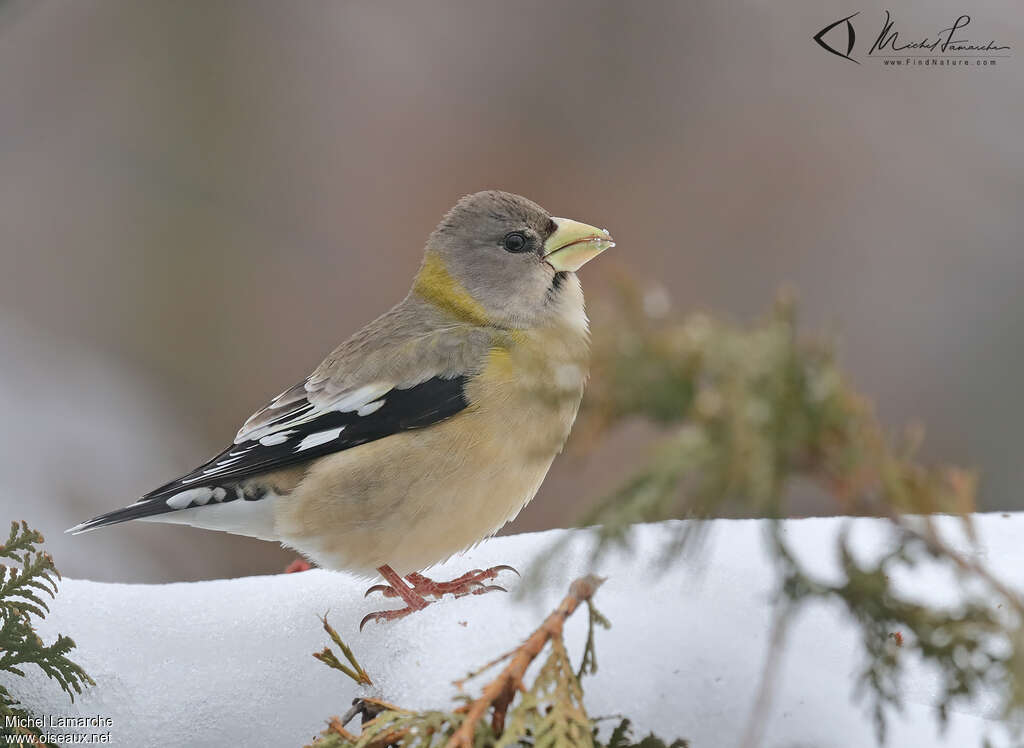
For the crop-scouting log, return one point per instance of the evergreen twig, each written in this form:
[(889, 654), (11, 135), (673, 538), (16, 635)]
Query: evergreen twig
[(326, 656), (27, 576)]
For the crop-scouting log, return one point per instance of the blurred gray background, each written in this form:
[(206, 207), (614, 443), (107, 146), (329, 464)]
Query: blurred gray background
[(199, 199)]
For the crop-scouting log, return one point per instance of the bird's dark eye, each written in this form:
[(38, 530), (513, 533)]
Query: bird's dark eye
[(515, 242)]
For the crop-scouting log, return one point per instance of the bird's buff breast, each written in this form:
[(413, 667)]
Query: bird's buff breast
[(415, 498)]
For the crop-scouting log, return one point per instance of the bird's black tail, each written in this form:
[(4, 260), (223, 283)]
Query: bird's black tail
[(151, 506)]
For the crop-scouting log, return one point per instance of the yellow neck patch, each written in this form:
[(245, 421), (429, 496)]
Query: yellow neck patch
[(435, 284)]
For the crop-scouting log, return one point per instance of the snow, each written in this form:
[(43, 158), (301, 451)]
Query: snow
[(229, 661)]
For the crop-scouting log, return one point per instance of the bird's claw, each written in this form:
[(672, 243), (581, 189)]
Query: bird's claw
[(384, 589), (383, 616), (505, 567), (489, 588)]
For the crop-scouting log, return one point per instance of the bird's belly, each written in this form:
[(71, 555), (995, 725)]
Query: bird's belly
[(415, 498)]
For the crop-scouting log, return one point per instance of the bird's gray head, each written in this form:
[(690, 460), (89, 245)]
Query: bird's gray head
[(498, 258)]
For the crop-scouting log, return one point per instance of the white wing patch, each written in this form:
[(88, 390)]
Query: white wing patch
[(320, 437), (277, 438), (359, 397), (275, 419), (198, 496), (370, 408)]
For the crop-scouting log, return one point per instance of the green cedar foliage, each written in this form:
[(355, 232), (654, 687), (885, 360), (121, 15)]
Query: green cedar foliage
[(27, 578), (748, 413)]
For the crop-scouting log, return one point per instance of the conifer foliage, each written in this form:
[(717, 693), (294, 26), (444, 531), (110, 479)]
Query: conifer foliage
[(750, 413), (549, 713), (27, 578)]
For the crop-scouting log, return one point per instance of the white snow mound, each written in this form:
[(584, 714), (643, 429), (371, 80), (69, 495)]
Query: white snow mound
[(229, 662)]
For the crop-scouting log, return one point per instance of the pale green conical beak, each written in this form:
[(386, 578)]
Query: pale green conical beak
[(574, 244)]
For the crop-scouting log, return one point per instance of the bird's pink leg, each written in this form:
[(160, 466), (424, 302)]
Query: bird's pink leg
[(470, 583), (298, 565), (395, 587)]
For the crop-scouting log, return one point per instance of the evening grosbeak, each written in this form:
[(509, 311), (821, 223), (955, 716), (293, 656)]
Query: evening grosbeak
[(428, 429)]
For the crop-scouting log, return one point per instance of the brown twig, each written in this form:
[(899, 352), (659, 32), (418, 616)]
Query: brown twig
[(335, 725), (483, 669), (369, 709), (501, 707), (499, 692)]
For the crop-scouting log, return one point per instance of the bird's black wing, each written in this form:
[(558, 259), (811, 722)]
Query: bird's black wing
[(293, 429), (304, 431)]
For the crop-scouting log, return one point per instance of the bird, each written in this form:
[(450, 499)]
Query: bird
[(427, 430)]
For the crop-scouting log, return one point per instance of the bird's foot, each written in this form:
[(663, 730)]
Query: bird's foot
[(470, 583), (419, 588), (395, 588)]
